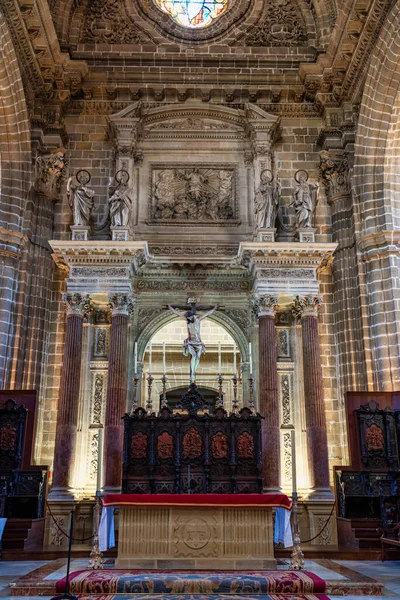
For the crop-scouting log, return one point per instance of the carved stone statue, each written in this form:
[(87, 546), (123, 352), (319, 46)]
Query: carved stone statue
[(193, 344), (266, 201), (50, 172), (120, 201), (81, 198), (304, 201)]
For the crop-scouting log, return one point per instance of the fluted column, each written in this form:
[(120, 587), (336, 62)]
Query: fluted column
[(268, 392), (317, 443), (64, 456), (121, 306)]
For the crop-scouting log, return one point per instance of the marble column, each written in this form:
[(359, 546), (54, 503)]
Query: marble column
[(268, 393), (64, 456), (317, 443), (121, 306)]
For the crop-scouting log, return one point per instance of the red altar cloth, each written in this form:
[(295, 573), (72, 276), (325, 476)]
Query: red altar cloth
[(210, 500)]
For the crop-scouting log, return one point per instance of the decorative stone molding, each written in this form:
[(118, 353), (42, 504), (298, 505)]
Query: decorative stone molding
[(77, 304), (50, 171), (307, 306), (335, 174), (121, 304), (282, 24), (108, 23), (101, 267), (285, 269), (267, 306)]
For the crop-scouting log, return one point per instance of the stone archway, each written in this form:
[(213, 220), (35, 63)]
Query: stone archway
[(14, 186), (376, 193)]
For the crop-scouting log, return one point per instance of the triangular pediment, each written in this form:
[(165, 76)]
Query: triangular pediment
[(255, 113)]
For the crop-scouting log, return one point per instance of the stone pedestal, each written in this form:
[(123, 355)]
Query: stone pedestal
[(306, 234), (67, 417), (58, 522), (119, 234), (317, 442), (195, 538), (80, 233), (266, 234), (116, 392), (268, 393)]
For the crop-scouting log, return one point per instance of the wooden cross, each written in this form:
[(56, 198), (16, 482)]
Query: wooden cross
[(192, 305)]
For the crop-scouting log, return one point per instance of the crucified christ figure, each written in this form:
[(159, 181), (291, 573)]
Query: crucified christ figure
[(193, 344)]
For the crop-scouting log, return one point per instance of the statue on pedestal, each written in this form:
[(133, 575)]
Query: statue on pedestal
[(120, 201), (81, 198), (305, 198), (193, 344), (266, 201)]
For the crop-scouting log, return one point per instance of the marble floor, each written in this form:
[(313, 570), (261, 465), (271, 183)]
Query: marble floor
[(332, 570)]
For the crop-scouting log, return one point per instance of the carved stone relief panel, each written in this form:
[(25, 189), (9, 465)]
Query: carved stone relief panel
[(101, 342), (287, 458), (285, 392), (282, 24), (193, 195), (96, 417), (287, 418), (99, 389), (283, 342)]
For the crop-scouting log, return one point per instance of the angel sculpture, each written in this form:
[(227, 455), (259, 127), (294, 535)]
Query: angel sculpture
[(305, 198), (81, 198), (266, 201), (120, 201), (193, 344)]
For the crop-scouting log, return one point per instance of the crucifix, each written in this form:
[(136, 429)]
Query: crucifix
[(193, 344)]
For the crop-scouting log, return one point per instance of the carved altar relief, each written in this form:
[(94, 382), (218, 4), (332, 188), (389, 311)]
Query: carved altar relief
[(193, 194)]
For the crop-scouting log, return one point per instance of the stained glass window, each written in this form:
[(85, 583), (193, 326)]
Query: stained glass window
[(193, 13)]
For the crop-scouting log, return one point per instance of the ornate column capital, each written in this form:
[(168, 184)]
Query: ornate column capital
[(77, 304), (335, 172), (121, 304), (307, 306), (266, 306)]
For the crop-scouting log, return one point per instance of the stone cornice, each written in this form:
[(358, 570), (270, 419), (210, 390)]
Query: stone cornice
[(100, 267), (285, 269), (379, 245)]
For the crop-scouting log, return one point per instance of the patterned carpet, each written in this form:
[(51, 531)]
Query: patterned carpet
[(110, 582), (201, 597)]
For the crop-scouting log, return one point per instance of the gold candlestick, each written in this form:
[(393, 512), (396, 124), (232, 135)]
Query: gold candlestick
[(149, 404)]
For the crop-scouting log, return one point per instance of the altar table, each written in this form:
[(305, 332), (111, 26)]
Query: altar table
[(196, 531)]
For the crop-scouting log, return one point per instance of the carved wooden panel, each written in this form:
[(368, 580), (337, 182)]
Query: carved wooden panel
[(192, 451)]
